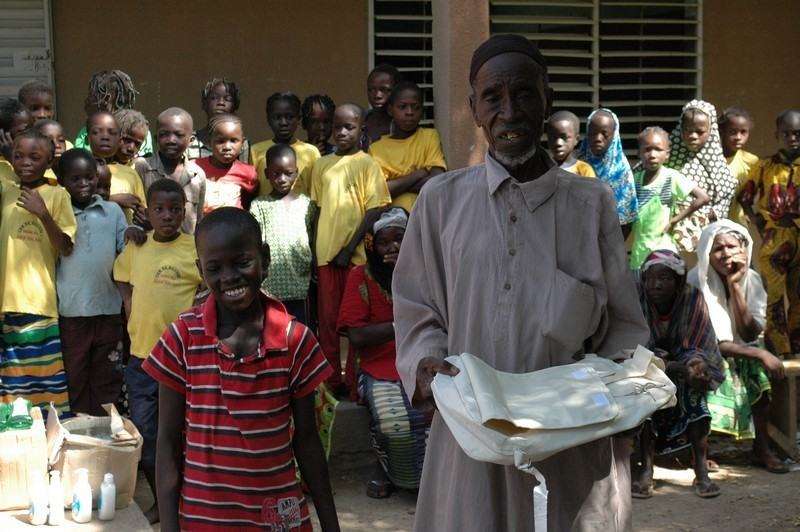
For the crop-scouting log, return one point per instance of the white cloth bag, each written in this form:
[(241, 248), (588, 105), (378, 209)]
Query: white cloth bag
[(521, 419)]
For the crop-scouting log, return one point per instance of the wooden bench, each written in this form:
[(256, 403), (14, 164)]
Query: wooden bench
[(783, 410)]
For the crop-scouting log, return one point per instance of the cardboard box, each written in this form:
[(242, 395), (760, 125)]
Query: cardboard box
[(23, 453), (100, 444)]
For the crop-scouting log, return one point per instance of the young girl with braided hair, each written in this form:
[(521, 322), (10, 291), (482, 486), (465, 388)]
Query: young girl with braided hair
[(110, 91)]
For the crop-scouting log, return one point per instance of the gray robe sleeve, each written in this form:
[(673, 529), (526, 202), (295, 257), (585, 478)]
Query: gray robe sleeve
[(419, 291), (622, 325)]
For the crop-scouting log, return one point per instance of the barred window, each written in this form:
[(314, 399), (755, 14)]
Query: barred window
[(401, 34), (643, 60)]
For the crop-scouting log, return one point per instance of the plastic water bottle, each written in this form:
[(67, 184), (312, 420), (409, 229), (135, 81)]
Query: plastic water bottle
[(82, 498), (108, 498), (56, 496), (37, 512)]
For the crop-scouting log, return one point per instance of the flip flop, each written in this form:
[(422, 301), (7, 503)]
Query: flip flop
[(641, 490), (706, 490), (712, 466)]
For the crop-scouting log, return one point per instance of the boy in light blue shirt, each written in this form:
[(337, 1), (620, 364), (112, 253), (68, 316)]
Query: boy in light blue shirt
[(89, 304)]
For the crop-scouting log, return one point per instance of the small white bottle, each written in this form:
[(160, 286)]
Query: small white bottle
[(37, 512), (108, 498), (82, 498), (56, 496)]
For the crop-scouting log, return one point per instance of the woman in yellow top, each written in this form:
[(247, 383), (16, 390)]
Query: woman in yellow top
[(409, 155), (734, 131)]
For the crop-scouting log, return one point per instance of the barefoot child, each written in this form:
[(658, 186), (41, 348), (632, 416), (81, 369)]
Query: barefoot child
[(349, 190), (562, 137), (317, 113), (126, 187), (239, 474), (772, 184), (409, 155), (133, 131), (735, 125), (36, 226), (157, 280), (229, 181), (88, 301), (602, 149), (283, 117), (658, 189), (286, 219), (174, 129), (220, 96)]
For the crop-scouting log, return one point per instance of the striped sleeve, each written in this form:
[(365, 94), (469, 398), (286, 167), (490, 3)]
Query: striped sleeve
[(167, 362), (309, 367)]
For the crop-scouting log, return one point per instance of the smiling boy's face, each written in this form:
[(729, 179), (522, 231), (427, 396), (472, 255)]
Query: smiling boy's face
[(232, 264)]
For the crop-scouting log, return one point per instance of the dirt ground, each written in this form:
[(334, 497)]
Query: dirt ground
[(752, 500)]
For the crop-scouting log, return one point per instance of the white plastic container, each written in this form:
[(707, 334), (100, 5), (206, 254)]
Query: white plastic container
[(56, 496), (107, 499), (37, 512), (82, 498)]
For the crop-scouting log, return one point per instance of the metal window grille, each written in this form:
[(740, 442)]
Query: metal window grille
[(25, 44), (402, 35), (641, 59)]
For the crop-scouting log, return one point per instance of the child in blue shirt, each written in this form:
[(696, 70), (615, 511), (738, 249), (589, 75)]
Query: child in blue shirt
[(89, 304)]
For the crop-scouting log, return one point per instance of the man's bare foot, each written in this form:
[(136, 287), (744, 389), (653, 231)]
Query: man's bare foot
[(769, 461), (706, 488), (152, 514)]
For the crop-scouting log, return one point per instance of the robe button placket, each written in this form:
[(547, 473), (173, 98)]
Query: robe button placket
[(513, 218), (507, 286)]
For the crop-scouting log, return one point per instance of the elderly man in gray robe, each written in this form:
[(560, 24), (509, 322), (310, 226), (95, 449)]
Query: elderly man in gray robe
[(523, 265)]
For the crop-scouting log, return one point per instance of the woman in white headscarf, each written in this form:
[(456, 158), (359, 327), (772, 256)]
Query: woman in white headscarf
[(736, 302)]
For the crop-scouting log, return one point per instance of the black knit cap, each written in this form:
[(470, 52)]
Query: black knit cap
[(502, 44)]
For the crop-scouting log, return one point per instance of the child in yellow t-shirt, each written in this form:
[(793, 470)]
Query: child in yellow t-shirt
[(283, 117), (36, 226), (157, 281), (14, 119), (563, 130), (133, 130), (734, 132), (409, 155), (127, 189), (53, 130), (349, 190)]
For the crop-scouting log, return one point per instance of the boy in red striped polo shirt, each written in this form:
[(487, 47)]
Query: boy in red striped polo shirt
[(233, 372)]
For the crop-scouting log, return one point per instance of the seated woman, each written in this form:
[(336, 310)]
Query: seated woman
[(682, 335), (398, 431), (737, 306)]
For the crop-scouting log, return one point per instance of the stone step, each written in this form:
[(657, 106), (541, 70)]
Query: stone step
[(350, 440)]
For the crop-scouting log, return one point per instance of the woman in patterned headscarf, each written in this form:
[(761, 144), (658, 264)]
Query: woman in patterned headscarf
[(681, 334), (696, 152), (602, 148)]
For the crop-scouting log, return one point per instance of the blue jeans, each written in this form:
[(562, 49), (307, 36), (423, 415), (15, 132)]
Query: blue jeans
[(143, 406)]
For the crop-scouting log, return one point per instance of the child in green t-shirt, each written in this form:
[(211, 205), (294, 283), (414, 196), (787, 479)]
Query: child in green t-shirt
[(657, 190)]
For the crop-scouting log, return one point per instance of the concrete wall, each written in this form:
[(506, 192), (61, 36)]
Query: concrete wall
[(170, 49), (749, 61)]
